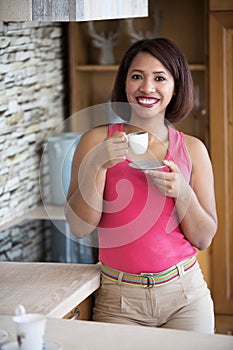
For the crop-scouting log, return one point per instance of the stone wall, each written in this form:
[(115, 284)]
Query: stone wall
[(27, 241), (31, 108)]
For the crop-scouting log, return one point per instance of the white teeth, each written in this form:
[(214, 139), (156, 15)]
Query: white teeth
[(146, 101)]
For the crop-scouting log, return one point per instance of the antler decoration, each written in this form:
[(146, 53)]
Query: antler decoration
[(105, 42), (157, 18)]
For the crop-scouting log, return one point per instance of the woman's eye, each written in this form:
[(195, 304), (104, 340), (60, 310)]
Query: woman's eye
[(159, 78), (136, 76)]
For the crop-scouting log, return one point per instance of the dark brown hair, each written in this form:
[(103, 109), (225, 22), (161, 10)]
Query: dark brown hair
[(169, 54)]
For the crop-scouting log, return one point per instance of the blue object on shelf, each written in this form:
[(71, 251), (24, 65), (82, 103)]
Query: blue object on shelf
[(60, 155)]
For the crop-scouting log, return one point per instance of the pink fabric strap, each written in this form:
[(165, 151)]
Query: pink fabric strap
[(115, 127)]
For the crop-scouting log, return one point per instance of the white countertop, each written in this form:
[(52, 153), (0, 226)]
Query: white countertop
[(83, 335), (53, 289)]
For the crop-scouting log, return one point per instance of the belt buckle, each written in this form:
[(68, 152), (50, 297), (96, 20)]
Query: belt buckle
[(150, 280)]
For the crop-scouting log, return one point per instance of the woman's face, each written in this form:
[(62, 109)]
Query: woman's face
[(149, 86)]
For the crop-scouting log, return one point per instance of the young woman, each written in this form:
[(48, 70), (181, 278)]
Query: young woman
[(149, 222)]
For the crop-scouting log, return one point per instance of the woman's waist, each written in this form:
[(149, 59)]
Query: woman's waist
[(149, 279), (143, 262)]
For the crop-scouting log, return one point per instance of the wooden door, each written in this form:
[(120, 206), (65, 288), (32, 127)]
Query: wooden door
[(221, 142)]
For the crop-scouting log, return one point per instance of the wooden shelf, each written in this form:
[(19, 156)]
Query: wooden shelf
[(197, 67), (41, 212), (114, 68), (96, 68)]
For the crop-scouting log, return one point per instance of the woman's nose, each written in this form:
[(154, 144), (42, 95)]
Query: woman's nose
[(147, 86)]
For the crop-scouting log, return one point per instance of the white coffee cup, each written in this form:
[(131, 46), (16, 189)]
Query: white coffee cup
[(138, 141), (30, 329)]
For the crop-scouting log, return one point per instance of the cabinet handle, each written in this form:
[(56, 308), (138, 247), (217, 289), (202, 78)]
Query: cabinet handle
[(76, 314)]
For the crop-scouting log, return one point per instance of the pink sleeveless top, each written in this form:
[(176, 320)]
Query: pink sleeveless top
[(139, 229)]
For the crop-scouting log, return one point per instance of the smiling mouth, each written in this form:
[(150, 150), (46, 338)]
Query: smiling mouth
[(147, 101)]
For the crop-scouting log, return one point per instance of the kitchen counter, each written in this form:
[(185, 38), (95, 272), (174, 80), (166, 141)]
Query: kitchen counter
[(73, 335), (52, 289)]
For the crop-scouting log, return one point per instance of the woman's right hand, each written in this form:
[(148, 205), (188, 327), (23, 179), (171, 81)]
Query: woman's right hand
[(112, 150)]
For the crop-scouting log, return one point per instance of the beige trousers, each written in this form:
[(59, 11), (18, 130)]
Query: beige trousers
[(184, 304)]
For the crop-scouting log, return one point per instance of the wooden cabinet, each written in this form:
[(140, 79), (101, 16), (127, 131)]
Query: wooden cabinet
[(83, 311), (224, 324), (221, 137), (91, 83)]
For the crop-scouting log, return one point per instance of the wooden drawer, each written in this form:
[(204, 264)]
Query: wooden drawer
[(224, 324), (82, 311)]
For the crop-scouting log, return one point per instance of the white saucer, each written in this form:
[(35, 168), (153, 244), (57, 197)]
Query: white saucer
[(10, 346), (147, 165), (48, 345), (4, 335)]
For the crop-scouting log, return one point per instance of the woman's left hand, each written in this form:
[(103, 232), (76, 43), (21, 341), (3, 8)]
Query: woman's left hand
[(172, 183)]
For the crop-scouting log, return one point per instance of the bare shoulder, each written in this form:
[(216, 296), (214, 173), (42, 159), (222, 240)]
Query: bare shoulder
[(89, 140), (192, 141), (195, 147), (199, 155), (93, 137)]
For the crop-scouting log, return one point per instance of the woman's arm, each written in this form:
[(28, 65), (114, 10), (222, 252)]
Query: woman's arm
[(94, 154), (195, 202)]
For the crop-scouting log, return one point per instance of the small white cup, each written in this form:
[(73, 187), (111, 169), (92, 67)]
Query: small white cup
[(30, 329), (138, 141)]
